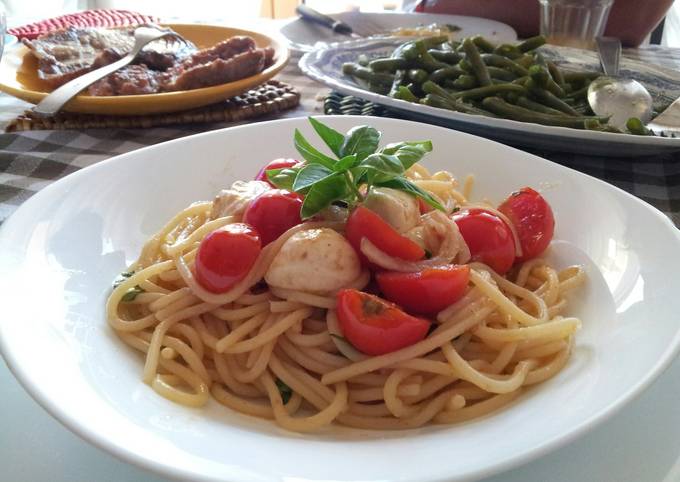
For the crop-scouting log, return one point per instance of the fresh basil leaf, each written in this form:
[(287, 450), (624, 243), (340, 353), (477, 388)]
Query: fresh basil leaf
[(362, 141), (375, 176), (283, 178), (359, 174), (323, 193), (384, 163), (132, 293), (308, 175), (405, 185), (345, 163), (122, 277), (285, 391), (330, 136), (408, 152), (310, 153)]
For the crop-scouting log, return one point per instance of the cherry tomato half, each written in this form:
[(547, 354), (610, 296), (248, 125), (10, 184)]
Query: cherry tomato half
[(375, 326), (275, 164), (273, 213), (533, 219), (489, 238), (225, 256), (364, 223), (427, 292), (423, 207)]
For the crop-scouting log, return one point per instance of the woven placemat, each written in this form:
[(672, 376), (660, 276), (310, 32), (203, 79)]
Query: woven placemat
[(336, 103), (269, 98)]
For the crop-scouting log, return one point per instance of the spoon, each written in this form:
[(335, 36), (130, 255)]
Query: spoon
[(610, 95)]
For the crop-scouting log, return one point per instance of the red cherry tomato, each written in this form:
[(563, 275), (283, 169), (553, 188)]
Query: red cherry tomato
[(273, 213), (533, 219), (423, 207), (489, 238), (364, 223), (375, 326), (225, 256), (427, 292), (275, 164)]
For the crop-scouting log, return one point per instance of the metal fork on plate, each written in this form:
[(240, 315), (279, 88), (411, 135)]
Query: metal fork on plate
[(51, 104)]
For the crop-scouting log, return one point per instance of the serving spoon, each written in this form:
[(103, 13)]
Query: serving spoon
[(610, 95)]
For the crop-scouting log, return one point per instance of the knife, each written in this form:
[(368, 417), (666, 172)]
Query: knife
[(308, 13)]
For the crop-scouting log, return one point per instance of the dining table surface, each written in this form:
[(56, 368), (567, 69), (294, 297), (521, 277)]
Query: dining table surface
[(640, 443)]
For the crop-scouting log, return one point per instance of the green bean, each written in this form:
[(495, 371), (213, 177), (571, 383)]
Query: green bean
[(596, 125), (452, 44), (556, 74), (580, 93), (448, 56), (486, 91), (425, 60), (448, 84), (409, 52), (547, 98), (502, 74), (512, 97), (432, 42), (509, 51), (539, 59), (483, 44), (521, 80), (572, 76), (404, 93), (478, 66), (636, 126), (465, 65), (502, 108), (525, 61), (399, 51), (542, 77), (446, 73), (366, 74), (535, 106), (531, 43), (418, 75), (583, 108), (387, 64), (430, 87), (415, 89), (496, 60), (378, 87), (434, 100), (465, 82), (399, 77)]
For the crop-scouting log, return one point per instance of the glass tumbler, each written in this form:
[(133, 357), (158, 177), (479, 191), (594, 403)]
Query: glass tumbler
[(574, 23)]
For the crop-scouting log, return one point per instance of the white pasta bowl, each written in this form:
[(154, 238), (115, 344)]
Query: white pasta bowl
[(60, 251)]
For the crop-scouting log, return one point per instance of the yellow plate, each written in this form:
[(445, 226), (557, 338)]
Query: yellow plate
[(18, 77)]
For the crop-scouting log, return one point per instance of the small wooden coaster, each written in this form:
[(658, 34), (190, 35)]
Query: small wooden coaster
[(269, 98)]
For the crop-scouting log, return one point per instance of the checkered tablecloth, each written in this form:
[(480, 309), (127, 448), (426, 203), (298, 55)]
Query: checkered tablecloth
[(30, 161)]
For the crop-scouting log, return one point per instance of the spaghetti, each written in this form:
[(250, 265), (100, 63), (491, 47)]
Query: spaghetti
[(280, 353)]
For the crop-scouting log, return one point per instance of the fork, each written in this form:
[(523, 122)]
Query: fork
[(53, 103)]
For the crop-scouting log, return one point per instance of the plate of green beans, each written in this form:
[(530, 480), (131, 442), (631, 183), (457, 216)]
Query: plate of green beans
[(525, 93)]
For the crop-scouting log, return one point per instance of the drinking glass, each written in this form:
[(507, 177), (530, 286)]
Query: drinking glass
[(574, 23)]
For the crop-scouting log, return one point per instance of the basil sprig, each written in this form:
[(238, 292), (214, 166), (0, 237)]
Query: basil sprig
[(284, 390), (132, 293), (359, 165)]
